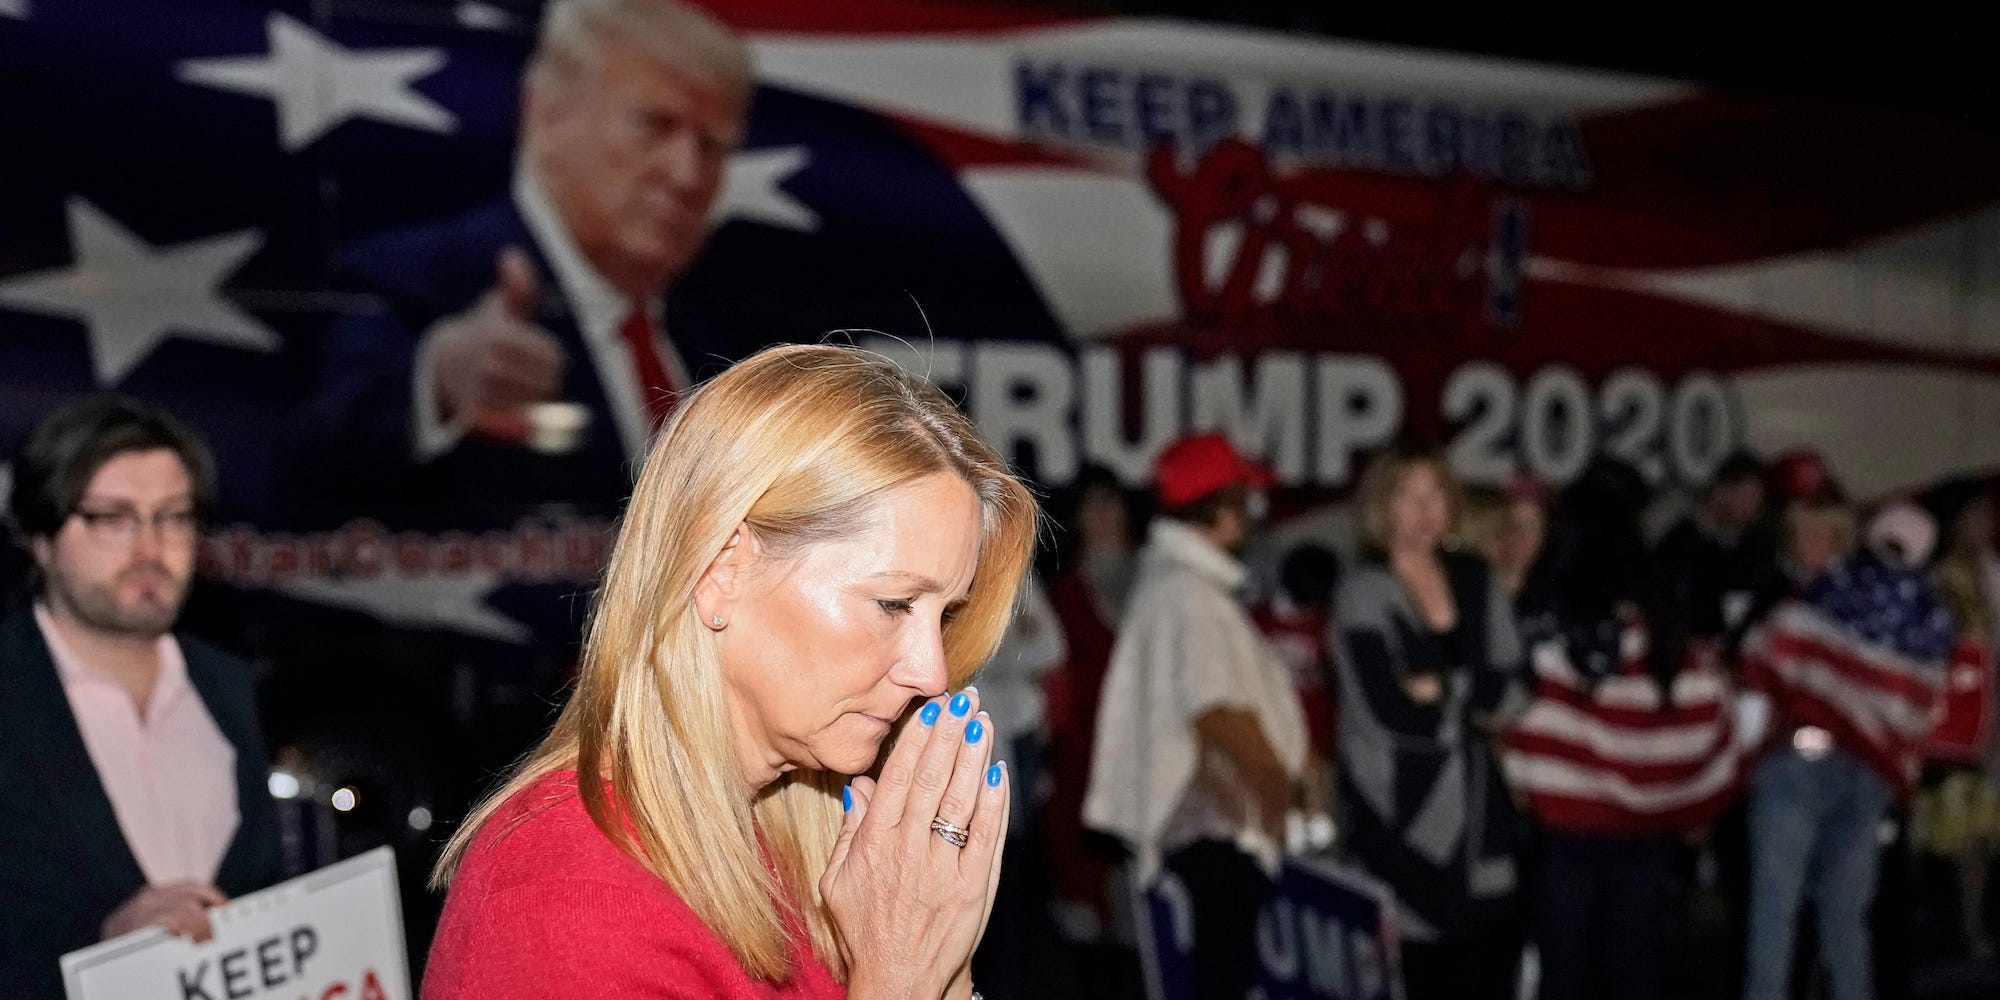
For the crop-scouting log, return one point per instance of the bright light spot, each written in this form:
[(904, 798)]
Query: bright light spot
[(420, 819), (343, 799), (283, 785)]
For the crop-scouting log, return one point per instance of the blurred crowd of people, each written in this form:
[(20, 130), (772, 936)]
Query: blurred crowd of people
[(1570, 730)]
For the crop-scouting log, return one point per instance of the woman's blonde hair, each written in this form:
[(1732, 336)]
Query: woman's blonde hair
[(1379, 483), (797, 444)]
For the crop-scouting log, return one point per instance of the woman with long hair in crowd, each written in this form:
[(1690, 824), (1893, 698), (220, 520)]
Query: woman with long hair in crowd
[(1624, 750), (1426, 653), (819, 552)]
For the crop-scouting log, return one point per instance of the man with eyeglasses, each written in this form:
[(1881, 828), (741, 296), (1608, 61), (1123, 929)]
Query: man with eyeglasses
[(132, 773)]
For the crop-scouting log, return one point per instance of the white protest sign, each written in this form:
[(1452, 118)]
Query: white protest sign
[(336, 934)]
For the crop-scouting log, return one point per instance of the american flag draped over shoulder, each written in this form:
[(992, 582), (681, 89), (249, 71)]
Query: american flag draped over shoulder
[(1859, 653), (1614, 757)]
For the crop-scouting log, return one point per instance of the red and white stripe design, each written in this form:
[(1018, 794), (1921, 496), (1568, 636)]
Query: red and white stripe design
[(1877, 702), (1612, 759), (1849, 309), (1965, 709)]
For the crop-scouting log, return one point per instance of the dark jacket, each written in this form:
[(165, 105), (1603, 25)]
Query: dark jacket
[(351, 451), (1715, 587), (64, 863)]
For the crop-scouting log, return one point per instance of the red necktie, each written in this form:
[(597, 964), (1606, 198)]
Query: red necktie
[(657, 388)]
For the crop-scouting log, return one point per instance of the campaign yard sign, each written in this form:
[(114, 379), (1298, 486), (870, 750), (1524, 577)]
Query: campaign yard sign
[(1326, 934), (336, 934)]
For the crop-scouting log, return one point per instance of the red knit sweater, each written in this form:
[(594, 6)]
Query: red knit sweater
[(549, 907)]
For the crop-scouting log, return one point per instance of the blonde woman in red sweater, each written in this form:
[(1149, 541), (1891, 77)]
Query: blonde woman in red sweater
[(819, 552)]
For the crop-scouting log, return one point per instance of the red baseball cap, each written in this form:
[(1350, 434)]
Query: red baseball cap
[(1802, 474), (1195, 467)]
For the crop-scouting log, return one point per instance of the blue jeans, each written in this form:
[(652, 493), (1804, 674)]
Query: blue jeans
[(1813, 834)]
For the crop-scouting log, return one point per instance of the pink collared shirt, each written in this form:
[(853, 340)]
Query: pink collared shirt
[(171, 776)]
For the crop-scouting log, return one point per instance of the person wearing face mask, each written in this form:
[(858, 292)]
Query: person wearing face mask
[(133, 768), (819, 553), (1200, 738), (1427, 658), (523, 353)]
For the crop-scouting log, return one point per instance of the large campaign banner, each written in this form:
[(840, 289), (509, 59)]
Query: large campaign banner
[(1098, 232), (1324, 247), (1106, 231)]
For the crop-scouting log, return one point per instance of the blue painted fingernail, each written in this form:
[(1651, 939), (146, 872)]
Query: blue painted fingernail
[(993, 775), (961, 704), (846, 798), (929, 714), (973, 731)]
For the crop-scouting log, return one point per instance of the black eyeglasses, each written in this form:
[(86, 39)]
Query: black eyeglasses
[(120, 526)]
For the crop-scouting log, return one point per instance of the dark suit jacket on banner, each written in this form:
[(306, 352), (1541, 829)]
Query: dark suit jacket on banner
[(64, 863), (355, 455)]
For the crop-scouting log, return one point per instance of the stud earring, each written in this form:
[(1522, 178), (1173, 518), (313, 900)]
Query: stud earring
[(716, 621)]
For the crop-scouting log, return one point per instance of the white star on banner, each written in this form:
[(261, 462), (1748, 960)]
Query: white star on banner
[(455, 603), (316, 84), (750, 191), (132, 295)]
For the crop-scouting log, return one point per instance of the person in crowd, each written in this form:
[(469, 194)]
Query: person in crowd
[(1721, 560), (1295, 620), (819, 550), (1200, 741), (1719, 570), (1427, 657), (1625, 749), (1850, 666), (435, 407), (1011, 686), (133, 768), (1961, 807), (1509, 526), (1088, 596), (1021, 934)]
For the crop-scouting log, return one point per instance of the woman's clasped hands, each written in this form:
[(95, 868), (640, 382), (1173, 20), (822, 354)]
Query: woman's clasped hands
[(910, 902)]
